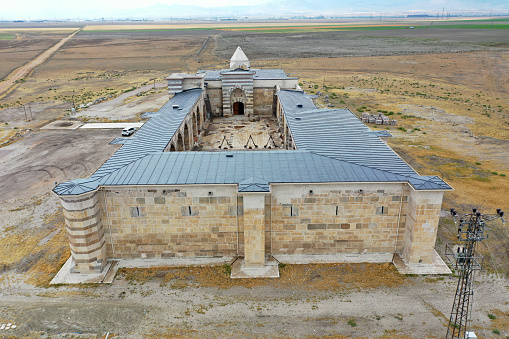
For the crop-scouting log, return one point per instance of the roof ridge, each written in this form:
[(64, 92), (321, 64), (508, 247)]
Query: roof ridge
[(357, 164), (421, 178)]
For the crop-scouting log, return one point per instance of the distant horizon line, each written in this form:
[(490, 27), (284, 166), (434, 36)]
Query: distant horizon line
[(409, 14)]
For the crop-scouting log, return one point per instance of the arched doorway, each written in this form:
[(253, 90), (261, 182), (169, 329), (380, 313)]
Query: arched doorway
[(187, 138), (180, 142), (238, 108), (238, 101), (198, 120)]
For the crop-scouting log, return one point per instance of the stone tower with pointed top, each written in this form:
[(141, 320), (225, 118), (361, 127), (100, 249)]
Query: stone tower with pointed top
[(237, 90), (239, 60)]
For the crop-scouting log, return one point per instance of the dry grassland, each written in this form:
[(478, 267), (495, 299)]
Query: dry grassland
[(39, 30), (91, 68), (251, 25), (453, 121), (36, 254), (15, 53), (314, 277)]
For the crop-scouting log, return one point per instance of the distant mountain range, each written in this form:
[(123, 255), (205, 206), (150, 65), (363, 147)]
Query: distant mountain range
[(285, 8)]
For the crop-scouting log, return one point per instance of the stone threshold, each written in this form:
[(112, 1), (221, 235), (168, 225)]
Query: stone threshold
[(302, 259), (438, 266), (64, 276), (240, 271), (174, 262)]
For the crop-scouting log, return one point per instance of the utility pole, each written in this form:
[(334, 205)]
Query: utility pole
[(466, 261), (30, 110), (26, 116)]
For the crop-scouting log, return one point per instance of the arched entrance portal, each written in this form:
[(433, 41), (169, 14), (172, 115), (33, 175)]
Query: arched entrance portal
[(238, 108), (238, 101)]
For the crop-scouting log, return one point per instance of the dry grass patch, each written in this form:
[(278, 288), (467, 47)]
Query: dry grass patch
[(501, 322), (38, 253), (322, 277)]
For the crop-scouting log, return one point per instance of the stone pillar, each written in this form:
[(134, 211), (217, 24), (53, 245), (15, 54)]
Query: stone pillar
[(423, 213), (254, 230), (85, 232)]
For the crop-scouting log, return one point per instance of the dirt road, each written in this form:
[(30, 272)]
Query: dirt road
[(22, 72), (129, 105)]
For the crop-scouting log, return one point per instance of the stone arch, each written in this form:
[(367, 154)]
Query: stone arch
[(238, 100), (172, 147), (180, 142), (194, 125), (198, 120), (187, 137)]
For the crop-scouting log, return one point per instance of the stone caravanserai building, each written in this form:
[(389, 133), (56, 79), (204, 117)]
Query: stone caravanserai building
[(326, 188)]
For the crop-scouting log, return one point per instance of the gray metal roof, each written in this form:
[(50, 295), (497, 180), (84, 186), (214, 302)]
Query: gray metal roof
[(333, 146), (255, 168), (153, 136), (270, 74), (259, 74), (253, 171), (339, 134)]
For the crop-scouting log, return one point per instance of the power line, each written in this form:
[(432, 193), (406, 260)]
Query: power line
[(466, 260)]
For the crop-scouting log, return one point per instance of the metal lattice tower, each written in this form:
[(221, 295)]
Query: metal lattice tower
[(466, 261)]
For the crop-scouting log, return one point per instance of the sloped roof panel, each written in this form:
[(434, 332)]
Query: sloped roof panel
[(333, 146)]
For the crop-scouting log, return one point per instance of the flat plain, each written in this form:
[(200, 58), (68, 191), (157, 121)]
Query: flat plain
[(446, 83)]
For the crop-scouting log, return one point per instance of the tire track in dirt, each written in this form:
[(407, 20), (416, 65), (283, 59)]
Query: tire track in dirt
[(26, 70)]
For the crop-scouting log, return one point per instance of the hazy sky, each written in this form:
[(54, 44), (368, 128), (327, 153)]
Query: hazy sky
[(23, 9), (62, 9), (17, 5)]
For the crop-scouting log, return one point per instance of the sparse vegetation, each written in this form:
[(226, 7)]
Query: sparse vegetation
[(420, 82)]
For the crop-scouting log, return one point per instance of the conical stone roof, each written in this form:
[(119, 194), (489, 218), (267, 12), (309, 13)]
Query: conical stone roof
[(239, 60)]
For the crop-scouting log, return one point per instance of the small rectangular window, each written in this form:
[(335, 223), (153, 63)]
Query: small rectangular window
[(382, 210), (290, 211), (188, 211), (135, 212), (337, 210)]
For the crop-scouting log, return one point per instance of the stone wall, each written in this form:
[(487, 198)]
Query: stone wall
[(216, 220), (338, 218), (173, 221), (254, 229), (289, 83), (216, 101), (263, 99), (421, 227), (85, 232)]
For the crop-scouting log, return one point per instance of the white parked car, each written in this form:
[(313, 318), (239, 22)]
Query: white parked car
[(128, 131)]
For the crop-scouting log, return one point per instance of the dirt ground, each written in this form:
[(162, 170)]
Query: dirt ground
[(24, 47), (24, 71), (192, 303), (359, 43), (453, 120)]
